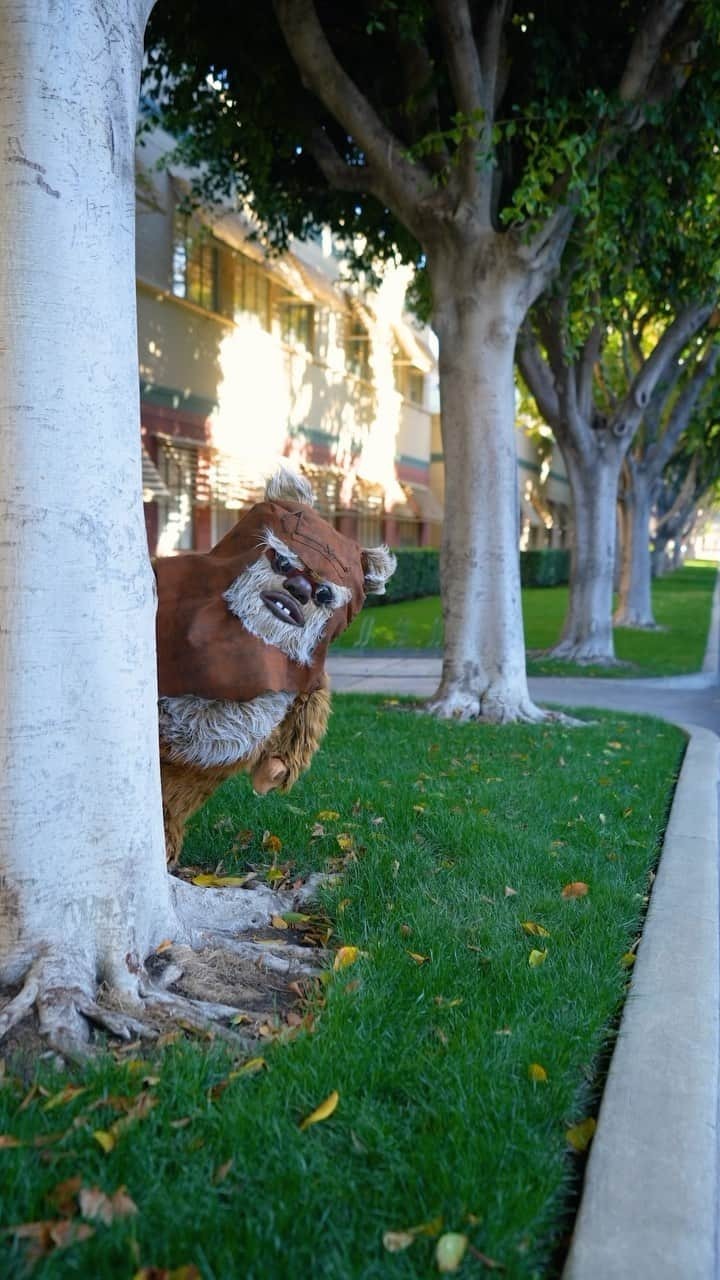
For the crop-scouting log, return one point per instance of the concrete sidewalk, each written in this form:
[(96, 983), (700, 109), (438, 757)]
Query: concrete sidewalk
[(649, 1207)]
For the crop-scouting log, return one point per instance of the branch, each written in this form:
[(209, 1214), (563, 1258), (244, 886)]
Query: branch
[(536, 372), (339, 174), (661, 453), (464, 67), (675, 337), (397, 181), (684, 495), (491, 53), (418, 72), (586, 367), (469, 92), (646, 47)]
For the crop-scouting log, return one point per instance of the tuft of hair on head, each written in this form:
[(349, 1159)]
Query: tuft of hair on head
[(287, 486), (378, 564)]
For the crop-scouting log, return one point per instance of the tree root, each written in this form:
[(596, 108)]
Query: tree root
[(211, 972), (492, 709)]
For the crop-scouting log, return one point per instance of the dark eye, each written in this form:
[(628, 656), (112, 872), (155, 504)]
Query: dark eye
[(281, 563), (324, 595)]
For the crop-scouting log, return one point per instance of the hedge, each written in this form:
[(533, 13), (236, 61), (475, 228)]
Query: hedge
[(547, 567), (418, 572)]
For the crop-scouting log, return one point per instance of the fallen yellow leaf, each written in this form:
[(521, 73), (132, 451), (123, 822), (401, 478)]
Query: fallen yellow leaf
[(107, 1140), (322, 1112), (207, 880), (537, 1073), (68, 1094), (580, 1135), (577, 889), (344, 957), (628, 960), (277, 922), (415, 955), (344, 841), (450, 1251), (251, 1067), (538, 929), (537, 958), (431, 1228), (327, 815)]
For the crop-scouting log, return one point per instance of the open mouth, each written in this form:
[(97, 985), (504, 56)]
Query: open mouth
[(282, 606)]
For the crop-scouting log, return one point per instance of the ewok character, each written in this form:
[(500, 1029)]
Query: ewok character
[(243, 633)]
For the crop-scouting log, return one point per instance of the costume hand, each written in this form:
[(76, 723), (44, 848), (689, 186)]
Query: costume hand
[(268, 774)]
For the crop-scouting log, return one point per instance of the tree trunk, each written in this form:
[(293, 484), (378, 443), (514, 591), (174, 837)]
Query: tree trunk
[(484, 658), (81, 838), (659, 556), (587, 634), (635, 603)]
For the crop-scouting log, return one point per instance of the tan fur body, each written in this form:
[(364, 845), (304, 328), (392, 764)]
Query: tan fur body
[(293, 744)]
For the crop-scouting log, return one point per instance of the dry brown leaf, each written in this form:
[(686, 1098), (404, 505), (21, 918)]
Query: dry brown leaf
[(97, 1206), (8, 1140), (222, 1172), (63, 1197), (272, 844), (578, 889), (510, 893), (397, 1241)]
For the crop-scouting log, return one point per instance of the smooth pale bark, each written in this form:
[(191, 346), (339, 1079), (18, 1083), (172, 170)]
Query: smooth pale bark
[(81, 837), (484, 657), (587, 632), (635, 597)]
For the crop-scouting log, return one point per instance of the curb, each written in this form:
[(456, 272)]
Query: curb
[(711, 661), (649, 1202)]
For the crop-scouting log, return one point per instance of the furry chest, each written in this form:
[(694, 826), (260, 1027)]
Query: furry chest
[(214, 732)]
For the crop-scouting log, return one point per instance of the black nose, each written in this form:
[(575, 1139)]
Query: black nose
[(299, 587)]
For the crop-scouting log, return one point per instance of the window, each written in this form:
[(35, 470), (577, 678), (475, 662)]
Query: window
[(409, 380), (252, 290), (223, 520), (357, 350), (296, 320), (195, 265), (415, 386), (177, 465), (369, 521)]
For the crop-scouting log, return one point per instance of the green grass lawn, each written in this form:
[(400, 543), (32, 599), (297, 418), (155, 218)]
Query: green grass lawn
[(454, 837), (682, 603)]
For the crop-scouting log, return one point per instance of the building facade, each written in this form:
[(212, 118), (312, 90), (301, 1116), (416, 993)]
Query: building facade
[(248, 359)]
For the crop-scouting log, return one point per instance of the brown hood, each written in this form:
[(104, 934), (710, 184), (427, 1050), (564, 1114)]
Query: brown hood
[(203, 649)]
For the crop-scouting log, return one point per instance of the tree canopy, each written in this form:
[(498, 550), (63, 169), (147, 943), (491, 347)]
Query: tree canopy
[(561, 84)]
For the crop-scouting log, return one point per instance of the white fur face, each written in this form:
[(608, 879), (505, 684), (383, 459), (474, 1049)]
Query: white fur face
[(268, 600)]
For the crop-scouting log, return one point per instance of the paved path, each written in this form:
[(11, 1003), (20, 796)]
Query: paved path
[(683, 699)]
